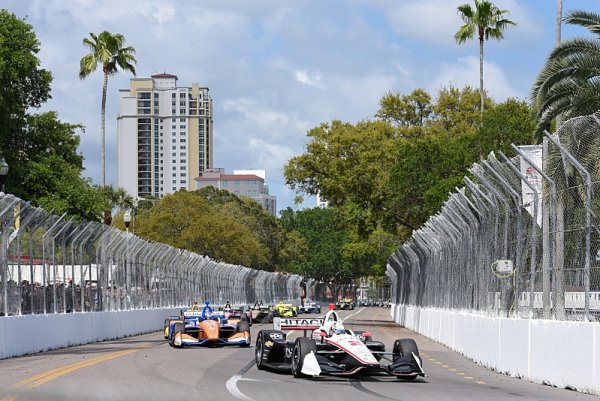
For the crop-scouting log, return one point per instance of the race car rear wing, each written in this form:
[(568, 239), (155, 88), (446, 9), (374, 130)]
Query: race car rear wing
[(288, 323)]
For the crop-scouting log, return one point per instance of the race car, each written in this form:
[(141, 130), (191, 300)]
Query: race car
[(345, 304), (234, 313), (261, 313), (208, 328), (285, 310), (177, 318), (310, 307), (332, 350)]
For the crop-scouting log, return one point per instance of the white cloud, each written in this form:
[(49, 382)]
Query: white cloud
[(465, 71)]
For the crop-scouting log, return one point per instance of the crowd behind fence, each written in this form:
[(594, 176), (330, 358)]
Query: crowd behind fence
[(543, 219), (52, 264)]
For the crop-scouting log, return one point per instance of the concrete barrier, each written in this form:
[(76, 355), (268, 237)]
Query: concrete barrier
[(558, 353), (21, 335)]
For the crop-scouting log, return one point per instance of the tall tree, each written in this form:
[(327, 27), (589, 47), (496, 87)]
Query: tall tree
[(23, 84), (106, 49), (569, 82), (488, 21), (114, 198)]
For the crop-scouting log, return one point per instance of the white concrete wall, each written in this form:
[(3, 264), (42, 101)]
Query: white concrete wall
[(563, 354), (21, 335)]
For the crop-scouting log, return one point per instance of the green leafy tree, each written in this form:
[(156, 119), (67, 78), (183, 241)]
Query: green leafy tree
[(23, 84), (186, 220), (487, 21), (569, 82), (405, 110), (348, 165), (325, 239), (251, 214), (106, 49)]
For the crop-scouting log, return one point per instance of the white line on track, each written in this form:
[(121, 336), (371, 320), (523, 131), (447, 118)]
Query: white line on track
[(232, 382)]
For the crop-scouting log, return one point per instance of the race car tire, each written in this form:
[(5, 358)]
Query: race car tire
[(243, 326), (258, 352), (302, 347), (178, 327), (294, 313), (165, 327), (404, 347)]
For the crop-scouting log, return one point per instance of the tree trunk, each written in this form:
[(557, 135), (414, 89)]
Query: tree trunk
[(103, 126), (481, 67)]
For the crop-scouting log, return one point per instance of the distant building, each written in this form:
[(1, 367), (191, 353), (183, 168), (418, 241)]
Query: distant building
[(164, 135), (320, 202), (250, 183)]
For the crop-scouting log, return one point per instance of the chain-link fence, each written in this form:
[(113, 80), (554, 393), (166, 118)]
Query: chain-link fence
[(51, 264), (518, 239)]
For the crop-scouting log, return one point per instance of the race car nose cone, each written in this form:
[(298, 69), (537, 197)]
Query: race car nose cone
[(331, 306)]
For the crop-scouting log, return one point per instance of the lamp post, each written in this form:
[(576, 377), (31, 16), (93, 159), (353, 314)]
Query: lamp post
[(136, 203), (127, 219), (3, 172)]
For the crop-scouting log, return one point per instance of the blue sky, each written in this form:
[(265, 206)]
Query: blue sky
[(277, 68)]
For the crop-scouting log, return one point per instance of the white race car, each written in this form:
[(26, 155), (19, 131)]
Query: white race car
[(333, 350)]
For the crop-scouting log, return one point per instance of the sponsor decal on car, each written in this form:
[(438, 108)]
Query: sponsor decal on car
[(268, 344)]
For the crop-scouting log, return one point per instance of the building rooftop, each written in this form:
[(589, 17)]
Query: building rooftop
[(230, 177), (164, 75)]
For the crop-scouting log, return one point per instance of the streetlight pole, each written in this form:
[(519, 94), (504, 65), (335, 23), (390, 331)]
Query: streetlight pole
[(136, 202), (3, 172)]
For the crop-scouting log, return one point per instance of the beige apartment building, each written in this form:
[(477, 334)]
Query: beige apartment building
[(164, 135)]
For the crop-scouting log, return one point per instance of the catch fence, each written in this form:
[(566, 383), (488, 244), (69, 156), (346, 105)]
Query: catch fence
[(543, 218), (52, 264)]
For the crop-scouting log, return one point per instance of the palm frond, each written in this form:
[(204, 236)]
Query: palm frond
[(585, 19)]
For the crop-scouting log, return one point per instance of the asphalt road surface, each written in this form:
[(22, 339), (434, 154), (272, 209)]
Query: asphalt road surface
[(145, 368)]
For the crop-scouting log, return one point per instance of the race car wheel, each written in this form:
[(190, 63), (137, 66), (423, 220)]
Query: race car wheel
[(302, 347), (404, 347), (294, 313), (258, 353), (178, 328), (242, 326), (166, 328)]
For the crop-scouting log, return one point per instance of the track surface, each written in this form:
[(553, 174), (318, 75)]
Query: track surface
[(146, 368)]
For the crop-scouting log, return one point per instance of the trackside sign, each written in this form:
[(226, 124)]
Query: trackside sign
[(296, 323)]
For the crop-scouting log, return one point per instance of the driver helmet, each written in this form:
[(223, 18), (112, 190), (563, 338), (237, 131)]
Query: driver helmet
[(338, 328)]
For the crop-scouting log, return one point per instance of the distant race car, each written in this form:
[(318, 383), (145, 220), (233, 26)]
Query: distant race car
[(310, 307), (234, 313), (261, 313), (345, 304), (332, 350), (209, 328), (285, 310)]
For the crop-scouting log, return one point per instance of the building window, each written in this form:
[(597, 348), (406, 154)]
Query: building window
[(174, 154), (225, 183), (182, 161), (182, 103), (182, 140), (174, 174), (174, 147), (182, 147), (236, 183), (173, 95), (236, 192), (182, 181), (181, 111), (174, 140), (182, 127), (182, 174), (182, 168), (182, 95)]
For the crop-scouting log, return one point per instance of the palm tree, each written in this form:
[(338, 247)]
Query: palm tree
[(114, 198), (569, 83), (488, 21), (106, 49)]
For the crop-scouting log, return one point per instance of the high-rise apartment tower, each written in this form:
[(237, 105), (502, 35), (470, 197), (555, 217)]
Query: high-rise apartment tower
[(164, 135)]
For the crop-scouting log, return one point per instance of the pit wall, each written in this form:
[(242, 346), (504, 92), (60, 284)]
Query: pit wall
[(21, 335), (558, 353)]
